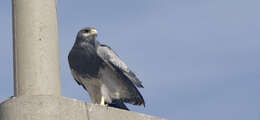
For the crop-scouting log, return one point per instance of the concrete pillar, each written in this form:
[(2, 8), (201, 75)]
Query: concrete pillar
[(36, 51)]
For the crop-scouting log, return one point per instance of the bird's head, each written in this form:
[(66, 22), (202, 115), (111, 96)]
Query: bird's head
[(87, 32), (86, 36)]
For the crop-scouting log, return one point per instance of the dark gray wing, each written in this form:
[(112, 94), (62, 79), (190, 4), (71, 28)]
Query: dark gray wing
[(110, 57)]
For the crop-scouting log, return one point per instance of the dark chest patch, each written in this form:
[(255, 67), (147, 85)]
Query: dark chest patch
[(85, 62)]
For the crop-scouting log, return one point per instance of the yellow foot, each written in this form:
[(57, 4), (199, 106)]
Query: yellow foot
[(103, 101)]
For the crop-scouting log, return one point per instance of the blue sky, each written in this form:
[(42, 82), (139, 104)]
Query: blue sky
[(198, 60)]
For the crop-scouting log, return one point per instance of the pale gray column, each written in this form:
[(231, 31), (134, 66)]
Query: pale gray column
[(36, 51)]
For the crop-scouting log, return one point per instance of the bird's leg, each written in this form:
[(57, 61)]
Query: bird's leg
[(102, 101)]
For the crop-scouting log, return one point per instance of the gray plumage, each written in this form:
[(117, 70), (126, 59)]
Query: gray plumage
[(101, 72)]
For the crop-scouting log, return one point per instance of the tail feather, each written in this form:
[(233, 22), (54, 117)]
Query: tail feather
[(118, 104), (136, 99)]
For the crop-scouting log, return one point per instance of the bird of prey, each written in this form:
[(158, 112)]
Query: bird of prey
[(102, 73)]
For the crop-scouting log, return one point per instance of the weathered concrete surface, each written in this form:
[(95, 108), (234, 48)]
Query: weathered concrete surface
[(46, 107), (36, 48)]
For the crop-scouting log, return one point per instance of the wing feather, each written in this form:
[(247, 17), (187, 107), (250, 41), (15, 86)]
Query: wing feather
[(110, 57)]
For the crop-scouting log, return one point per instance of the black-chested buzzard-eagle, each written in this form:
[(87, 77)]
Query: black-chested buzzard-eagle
[(102, 73)]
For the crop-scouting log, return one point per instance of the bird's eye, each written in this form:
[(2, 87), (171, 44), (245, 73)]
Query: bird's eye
[(86, 31)]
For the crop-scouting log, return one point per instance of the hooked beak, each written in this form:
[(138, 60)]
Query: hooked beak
[(93, 32)]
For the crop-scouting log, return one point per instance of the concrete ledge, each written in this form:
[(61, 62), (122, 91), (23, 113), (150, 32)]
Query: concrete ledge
[(60, 108)]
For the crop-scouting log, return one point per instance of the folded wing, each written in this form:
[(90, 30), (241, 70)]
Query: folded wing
[(110, 57)]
